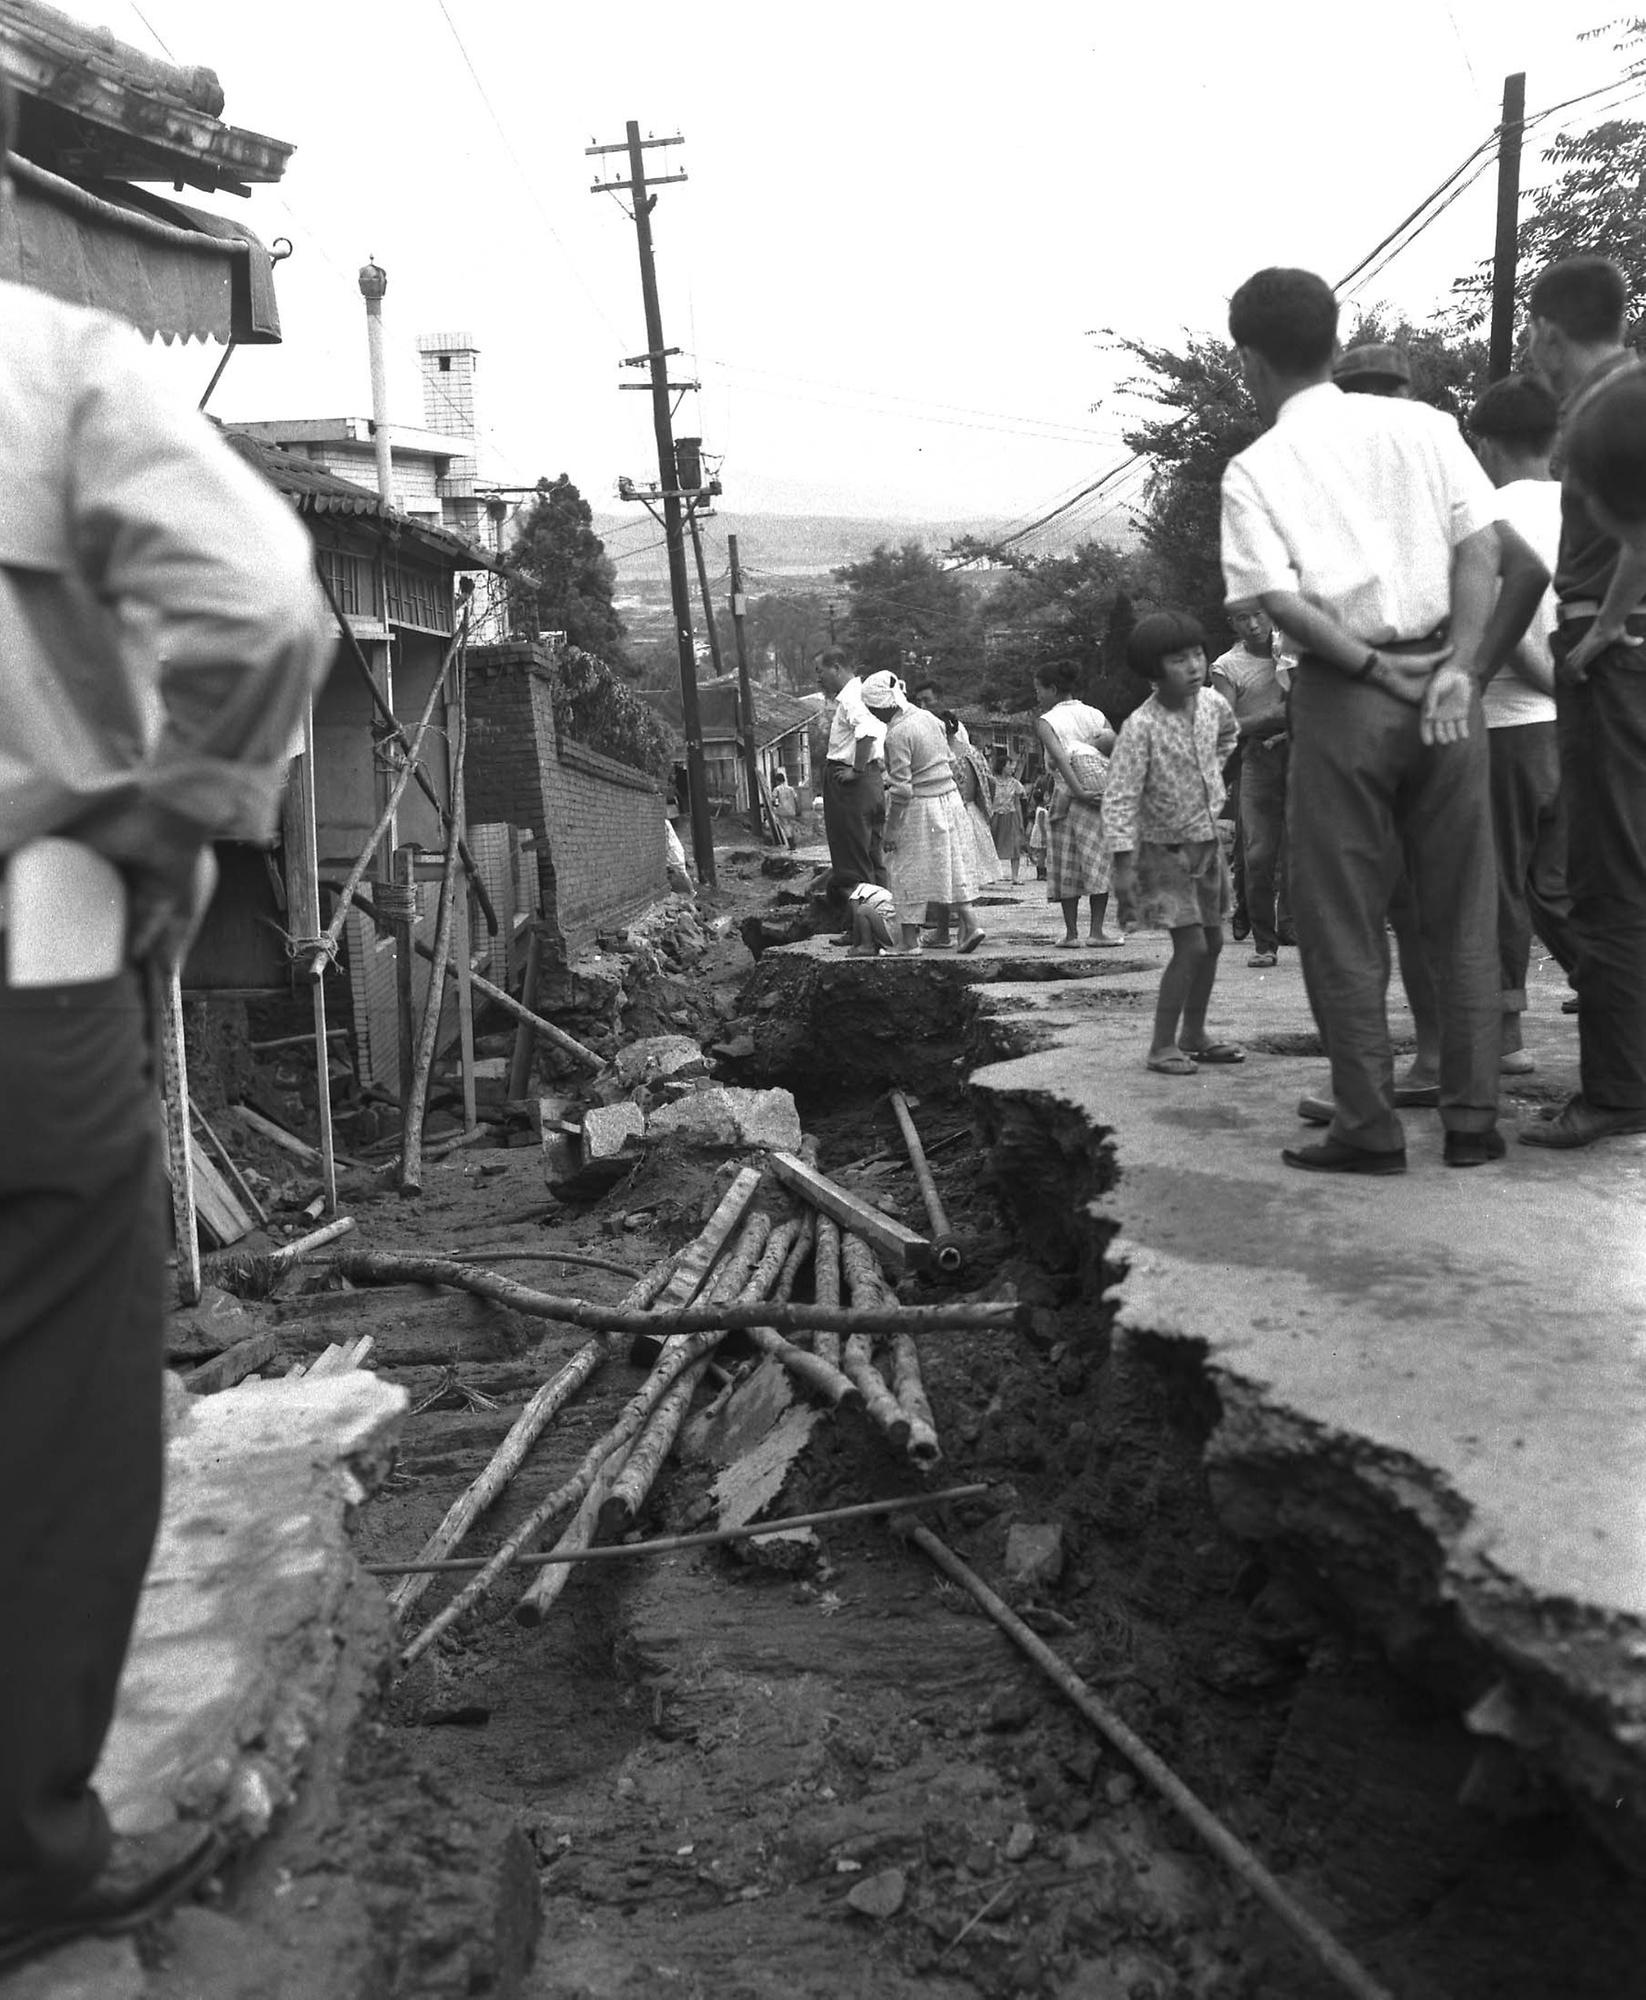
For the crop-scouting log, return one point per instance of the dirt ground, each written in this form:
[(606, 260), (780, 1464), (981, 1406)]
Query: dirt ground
[(714, 1773)]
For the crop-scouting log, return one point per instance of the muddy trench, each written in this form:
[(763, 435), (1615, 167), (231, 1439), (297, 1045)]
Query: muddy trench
[(735, 1773)]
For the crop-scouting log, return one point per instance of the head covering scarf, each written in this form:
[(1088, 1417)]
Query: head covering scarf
[(885, 690)]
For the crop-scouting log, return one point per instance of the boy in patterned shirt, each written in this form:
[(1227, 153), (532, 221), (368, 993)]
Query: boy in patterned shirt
[(1160, 817)]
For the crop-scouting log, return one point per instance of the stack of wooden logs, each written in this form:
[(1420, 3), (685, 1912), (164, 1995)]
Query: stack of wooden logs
[(738, 1274)]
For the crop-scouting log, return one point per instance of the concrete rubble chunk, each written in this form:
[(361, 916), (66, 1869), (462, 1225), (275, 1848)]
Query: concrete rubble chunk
[(724, 1115), (879, 1896), (1034, 1555), (659, 1058), (252, 1600), (607, 1129)]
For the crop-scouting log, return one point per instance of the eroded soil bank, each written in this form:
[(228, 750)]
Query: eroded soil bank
[(688, 1771)]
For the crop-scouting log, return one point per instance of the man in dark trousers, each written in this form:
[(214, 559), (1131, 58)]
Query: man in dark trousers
[(159, 630), (1245, 677), (1364, 527), (1577, 323), (854, 781)]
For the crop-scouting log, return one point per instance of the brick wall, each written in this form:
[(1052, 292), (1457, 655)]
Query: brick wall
[(600, 852)]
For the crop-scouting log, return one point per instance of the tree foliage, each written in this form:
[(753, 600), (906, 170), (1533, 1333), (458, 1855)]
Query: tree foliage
[(789, 628), (906, 611), (560, 578), (1206, 417), (594, 707), (1595, 206), (1052, 607)]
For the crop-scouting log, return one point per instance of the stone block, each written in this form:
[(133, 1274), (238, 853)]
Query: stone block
[(723, 1115), (491, 1080), (660, 1058), (1034, 1555), (608, 1128)]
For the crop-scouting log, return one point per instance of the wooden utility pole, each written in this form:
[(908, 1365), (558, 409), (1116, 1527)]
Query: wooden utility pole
[(703, 591), (745, 693), (656, 358), (1501, 356)]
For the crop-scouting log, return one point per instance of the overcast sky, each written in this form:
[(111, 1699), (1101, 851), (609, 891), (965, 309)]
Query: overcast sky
[(903, 222)]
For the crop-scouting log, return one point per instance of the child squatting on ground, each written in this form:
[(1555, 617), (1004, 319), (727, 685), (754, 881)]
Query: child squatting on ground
[(874, 921), (1160, 815)]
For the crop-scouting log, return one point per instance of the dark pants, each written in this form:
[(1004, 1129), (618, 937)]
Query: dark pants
[(1529, 827), (854, 819), (1602, 726), (82, 1311), (1367, 795), (1263, 838)]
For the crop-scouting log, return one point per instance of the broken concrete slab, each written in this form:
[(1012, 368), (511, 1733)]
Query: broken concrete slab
[(609, 1128), (721, 1114), (660, 1058), (252, 1586)]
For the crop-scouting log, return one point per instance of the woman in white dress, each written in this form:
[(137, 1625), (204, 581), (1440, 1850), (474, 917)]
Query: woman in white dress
[(971, 774), (928, 840), (1077, 740)]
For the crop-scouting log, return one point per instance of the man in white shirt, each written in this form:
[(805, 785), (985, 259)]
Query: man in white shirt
[(854, 780), (1364, 527), (1513, 425)]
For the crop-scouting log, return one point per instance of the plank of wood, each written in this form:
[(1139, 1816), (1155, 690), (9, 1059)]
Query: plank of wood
[(216, 1210), (288, 1142), (699, 1255), (233, 1365), (166, 1011), (899, 1248)]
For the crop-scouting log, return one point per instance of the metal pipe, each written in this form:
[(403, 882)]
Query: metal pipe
[(620, 1551), (947, 1254), (1348, 1972), (374, 282)]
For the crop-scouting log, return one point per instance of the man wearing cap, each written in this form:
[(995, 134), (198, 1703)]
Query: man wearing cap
[(854, 785), (1576, 344), (1375, 368), (1245, 677), (1363, 526)]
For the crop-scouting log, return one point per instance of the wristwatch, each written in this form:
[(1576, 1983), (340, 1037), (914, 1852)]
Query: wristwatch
[(1365, 672)]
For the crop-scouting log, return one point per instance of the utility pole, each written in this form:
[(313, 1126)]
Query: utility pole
[(1501, 354), (703, 589), (656, 358), (745, 693), (831, 624)]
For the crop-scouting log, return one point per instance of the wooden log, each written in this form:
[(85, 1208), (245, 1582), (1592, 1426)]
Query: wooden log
[(902, 1249), (817, 1374), (745, 1277), (300, 1246), (580, 1532), (826, 1285), (868, 1292), (947, 1253), (372, 1267), (233, 1365), (706, 1246), (523, 1434), (288, 1142), (910, 1390), (572, 1491), (166, 1012)]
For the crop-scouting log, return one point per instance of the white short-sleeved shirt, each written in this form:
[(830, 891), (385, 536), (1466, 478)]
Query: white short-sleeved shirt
[(852, 722), (1532, 508), (1356, 503)]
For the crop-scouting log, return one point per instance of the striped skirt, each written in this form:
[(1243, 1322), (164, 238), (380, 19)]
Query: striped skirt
[(932, 857), (1077, 861)]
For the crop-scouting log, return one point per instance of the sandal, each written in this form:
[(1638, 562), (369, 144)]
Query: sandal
[(1068, 944), (1217, 1052), (970, 943), (1173, 1063)]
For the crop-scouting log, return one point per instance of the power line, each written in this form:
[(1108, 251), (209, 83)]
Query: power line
[(531, 193)]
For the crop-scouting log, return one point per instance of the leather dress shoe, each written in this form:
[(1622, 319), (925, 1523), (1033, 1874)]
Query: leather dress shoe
[(1580, 1123), (1474, 1149), (1331, 1156), (144, 1876)]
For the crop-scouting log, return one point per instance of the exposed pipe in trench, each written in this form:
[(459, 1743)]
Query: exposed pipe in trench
[(1347, 1971)]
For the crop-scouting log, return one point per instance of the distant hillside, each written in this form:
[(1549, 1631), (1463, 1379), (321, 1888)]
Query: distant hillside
[(787, 545)]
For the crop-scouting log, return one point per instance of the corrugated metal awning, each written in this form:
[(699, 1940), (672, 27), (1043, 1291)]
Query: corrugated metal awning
[(173, 271)]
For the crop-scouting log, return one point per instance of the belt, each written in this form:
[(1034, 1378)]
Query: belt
[(1584, 610), (1429, 643)]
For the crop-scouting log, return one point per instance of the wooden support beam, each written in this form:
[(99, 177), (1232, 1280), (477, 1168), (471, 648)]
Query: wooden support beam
[(899, 1249), (233, 1365)]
